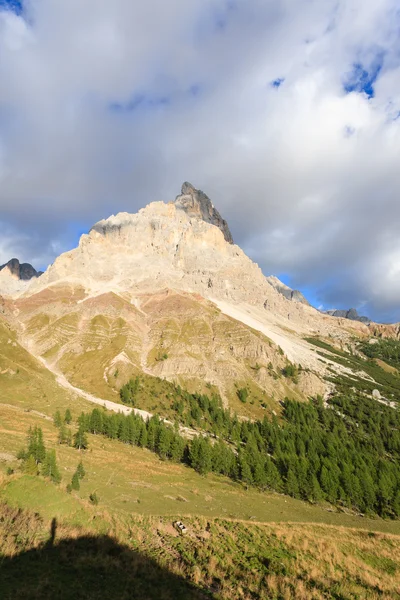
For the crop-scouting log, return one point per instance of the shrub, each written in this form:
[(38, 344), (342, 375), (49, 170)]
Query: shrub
[(242, 394)]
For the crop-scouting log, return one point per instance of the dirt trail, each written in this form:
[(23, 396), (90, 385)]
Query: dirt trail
[(186, 432), (114, 406)]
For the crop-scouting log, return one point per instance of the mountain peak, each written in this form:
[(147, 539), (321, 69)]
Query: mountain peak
[(21, 271), (197, 204)]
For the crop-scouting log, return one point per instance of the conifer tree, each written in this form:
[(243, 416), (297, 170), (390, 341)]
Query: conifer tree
[(143, 440), (292, 485), (50, 468), (80, 439), (96, 421), (57, 419), (163, 441), (75, 485), (30, 466), (64, 435), (80, 470), (36, 446), (68, 417), (245, 470)]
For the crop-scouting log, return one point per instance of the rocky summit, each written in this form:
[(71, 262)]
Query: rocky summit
[(196, 204)]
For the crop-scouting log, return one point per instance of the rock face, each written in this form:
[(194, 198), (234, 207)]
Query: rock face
[(165, 246), (15, 277), (196, 204), (351, 314), (285, 290), (22, 271)]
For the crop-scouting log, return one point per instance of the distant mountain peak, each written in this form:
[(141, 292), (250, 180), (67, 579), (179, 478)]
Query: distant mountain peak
[(351, 314), (21, 271), (285, 290), (197, 204)]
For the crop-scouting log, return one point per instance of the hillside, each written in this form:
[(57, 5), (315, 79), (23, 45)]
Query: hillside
[(159, 356)]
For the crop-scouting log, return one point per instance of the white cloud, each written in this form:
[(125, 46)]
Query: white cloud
[(306, 174)]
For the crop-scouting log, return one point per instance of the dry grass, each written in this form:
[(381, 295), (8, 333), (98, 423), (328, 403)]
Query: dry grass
[(234, 560)]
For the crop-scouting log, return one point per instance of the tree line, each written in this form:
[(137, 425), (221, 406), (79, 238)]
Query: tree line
[(344, 454)]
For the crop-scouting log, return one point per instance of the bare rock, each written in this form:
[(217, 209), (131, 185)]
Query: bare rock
[(196, 204), (22, 271)]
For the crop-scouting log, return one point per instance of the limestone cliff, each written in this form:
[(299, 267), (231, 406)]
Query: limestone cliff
[(196, 204)]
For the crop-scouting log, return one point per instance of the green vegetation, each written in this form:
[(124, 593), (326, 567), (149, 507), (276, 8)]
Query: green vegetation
[(346, 454), (242, 394), (144, 557), (388, 383), (129, 390), (292, 372), (35, 459), (314, 453), (94, 499), (384, 349), (75, 485)]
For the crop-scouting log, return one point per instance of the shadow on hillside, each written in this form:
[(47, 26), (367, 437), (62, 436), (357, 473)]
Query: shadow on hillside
[(89, 568)]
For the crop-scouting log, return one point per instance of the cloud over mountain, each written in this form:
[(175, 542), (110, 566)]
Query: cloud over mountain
[(286, 114)]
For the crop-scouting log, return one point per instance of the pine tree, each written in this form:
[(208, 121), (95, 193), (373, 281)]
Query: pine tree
[(67, 417), (177, 448), (75, 485), (80, 439), (50, 468), (143, 440), (64, 435), (152, 429), (111, 427), (80, 470), (163, 441), (36, 446), (57, 419), (260, 478), (30, 466), (315, 492), (292, 485), (245, 470), (123, 430), (96, 421), (200, 455)]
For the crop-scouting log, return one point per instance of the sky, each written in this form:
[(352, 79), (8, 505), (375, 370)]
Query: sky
[(286, 113)]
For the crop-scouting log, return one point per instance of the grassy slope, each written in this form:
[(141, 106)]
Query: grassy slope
[(24, 382), (235, 548), (143, 557), (101, 342), (132, 480)]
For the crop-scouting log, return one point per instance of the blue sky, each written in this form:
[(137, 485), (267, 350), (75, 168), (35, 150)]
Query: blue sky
[(13, 5), (286, 114)]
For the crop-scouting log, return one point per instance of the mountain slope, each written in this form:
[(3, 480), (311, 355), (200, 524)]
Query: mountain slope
[(166, 293)]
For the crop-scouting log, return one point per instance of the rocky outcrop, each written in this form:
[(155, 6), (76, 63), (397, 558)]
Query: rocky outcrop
[(351, 314), (22, 271), (15, 277), (196, 204), (285, 290)]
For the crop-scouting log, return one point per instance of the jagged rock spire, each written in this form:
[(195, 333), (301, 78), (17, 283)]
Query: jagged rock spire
[(196, 204)]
